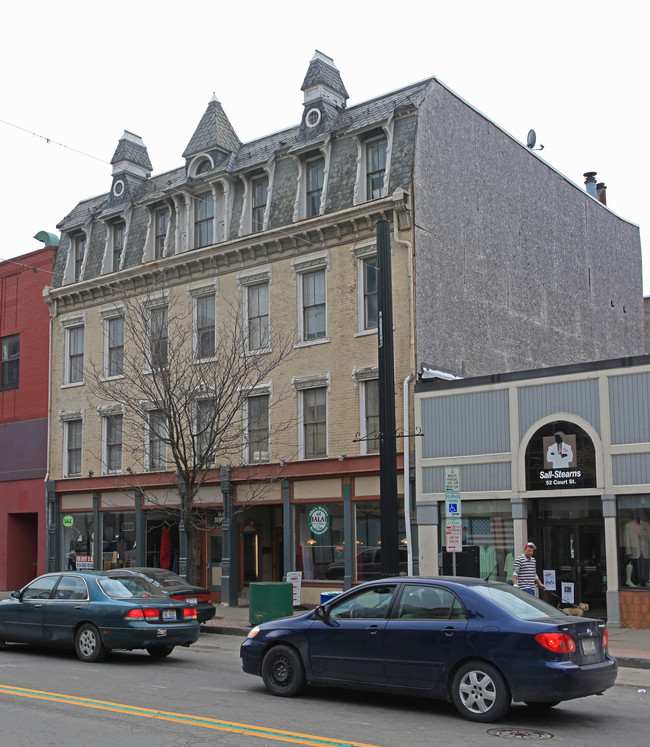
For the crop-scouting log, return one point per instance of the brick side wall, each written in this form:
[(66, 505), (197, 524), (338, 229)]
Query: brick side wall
[(635, 609)]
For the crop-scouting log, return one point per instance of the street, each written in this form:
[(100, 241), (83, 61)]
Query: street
[(200, 696)]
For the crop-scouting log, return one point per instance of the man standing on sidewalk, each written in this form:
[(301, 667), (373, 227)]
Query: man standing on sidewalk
[(524, 570)]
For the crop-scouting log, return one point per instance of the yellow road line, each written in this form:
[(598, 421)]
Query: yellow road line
[(182, 718)]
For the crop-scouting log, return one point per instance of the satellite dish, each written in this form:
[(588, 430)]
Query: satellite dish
[(532, 139)]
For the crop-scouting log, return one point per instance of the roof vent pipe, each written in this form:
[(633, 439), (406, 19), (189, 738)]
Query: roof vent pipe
[(590, 182), (601, 192)]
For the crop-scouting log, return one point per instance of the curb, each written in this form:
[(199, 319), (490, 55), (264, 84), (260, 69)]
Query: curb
[(225, 630), (632, 661)]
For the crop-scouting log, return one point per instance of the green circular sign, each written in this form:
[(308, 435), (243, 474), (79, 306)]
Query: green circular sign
[(68, 521), (319, 520)]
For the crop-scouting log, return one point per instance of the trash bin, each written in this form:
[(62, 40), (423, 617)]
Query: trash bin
[(325, 596), (269, 600)]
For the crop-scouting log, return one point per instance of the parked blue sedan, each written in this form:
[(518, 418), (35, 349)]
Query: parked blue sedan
[(94, 614), (478, 644)]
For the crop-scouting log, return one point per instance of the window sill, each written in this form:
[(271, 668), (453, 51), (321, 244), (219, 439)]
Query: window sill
[(309, 343), (72, 384), (117, 377), (366, 332)]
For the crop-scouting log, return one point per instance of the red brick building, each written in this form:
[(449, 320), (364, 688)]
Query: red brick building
[(24, 352)]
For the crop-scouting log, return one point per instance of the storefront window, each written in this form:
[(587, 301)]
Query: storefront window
[(319, 540), (634, 540), (118, 550), (78, 541), (488, 541), (367, 523)]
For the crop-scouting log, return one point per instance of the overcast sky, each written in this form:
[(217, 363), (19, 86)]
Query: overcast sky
[(75, 75)]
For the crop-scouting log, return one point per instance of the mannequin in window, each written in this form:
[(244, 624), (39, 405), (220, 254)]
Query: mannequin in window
[(636, 538)]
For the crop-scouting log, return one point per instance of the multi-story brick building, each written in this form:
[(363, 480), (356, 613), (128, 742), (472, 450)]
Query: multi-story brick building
[(24, 337), (498, 263)]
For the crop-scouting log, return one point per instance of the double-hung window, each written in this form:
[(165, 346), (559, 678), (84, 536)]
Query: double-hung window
[(157, 451), (258, 427), (257, 309), (259, 192), (375, 167), (114, 346), (314, 422), (315, 170), (313, 305), (75, 357), (10, 362), (370, 414), (205, 326), (112, 443), (204, 437), (203, 219), (158, 337), (74, 429), (369, 289), (161, 222), (119, 230)]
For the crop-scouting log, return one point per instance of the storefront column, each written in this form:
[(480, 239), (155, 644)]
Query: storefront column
[(348, 534), (98, 544), (140, 530), (611, 554), (428, 525), (519, 523), (230, 558), (287, 528), (53, 527)]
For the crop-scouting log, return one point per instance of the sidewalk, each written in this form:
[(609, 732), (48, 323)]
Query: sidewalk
[(630, 646)]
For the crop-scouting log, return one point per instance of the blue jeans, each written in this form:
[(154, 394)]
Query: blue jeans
[(529, 591)]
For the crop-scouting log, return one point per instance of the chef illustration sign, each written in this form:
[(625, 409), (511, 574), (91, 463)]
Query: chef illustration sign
[(319, 520)]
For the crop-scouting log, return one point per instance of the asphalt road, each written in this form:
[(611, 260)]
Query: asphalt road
[(200, 696)]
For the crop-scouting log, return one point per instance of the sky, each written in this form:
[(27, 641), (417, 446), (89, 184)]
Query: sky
[(75, 75)]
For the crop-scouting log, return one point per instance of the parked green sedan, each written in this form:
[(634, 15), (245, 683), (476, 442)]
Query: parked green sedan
[(94, 614)]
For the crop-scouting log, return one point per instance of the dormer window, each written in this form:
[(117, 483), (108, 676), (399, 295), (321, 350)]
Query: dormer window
[(161, 222), (203, 167), (315, 171), (119, 230), (79, 255), (260, 190), (203, 219), (375, 167)]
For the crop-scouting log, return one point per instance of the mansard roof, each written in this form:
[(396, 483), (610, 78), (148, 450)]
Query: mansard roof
[(322, 71), (214, 131), (131, 148)]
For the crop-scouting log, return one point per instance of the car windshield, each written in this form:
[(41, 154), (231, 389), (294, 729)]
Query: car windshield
[(128, 587), (518, 603), (160, 576)]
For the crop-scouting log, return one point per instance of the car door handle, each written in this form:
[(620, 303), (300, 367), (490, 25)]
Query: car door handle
[(78, 606), (373, 629), (449, 631)]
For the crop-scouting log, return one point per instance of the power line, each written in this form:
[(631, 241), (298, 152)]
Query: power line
[(49, 141)]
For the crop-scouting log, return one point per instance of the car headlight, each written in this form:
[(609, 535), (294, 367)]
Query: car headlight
[(253, 632)]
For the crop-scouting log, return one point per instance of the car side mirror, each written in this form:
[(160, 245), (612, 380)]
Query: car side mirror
[(322, 613), (16, 594)]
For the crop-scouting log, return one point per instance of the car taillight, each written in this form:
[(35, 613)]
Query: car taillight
[(203, 598), (142, 614), (560, 643), (605, 638), (189, 613)]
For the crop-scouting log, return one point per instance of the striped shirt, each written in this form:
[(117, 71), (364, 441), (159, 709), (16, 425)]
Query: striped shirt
[(526, 571)]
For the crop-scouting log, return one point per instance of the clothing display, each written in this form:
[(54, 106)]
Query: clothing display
[(636, 540)]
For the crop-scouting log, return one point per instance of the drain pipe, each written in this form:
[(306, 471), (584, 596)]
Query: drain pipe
[(407, 480)]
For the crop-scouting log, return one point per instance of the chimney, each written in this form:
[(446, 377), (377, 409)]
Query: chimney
[(601, 192), (590, 182)]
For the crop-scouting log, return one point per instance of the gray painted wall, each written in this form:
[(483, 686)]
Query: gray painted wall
[(516, 267)]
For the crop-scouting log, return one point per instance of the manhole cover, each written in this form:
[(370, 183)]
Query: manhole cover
[(520, 733)]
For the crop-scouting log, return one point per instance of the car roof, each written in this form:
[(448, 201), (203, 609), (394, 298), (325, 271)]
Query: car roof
[(451, 580)]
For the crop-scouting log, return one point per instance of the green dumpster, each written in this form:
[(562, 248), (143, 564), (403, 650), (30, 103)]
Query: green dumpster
[(269, 600)]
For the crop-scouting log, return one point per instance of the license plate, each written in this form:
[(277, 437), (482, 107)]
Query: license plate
[(161, 632), (588, 646), (191, 600), (169, 614)]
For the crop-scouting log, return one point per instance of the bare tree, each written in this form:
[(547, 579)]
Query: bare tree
[(185, 394)]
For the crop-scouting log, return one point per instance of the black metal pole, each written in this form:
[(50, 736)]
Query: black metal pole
[(387, 442)]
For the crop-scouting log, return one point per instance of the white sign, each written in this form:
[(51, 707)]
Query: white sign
[(452, 504), (454, 535), (567, 592), (84, 562), (452, 478), (295, 578), (549, 580)]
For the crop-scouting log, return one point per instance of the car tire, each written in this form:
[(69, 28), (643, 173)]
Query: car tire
[(480, 692), (283, 672), (88, 643), (542, 706), (159, 652)]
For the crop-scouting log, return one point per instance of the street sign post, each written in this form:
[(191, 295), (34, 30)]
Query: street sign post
[(453, 512)]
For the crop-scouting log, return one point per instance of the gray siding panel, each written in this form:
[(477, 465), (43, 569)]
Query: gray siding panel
[(576, 397), (466, 424), (629, 413), (631, 469), (474, 478)]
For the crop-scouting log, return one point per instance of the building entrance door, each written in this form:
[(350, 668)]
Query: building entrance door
[(576, 552)]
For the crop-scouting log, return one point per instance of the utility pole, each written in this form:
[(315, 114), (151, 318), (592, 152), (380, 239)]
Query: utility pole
[(389, 528)]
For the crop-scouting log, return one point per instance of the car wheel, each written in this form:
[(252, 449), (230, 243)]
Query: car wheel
[(88, 643), (479, 692), (283, 672), (159, 652), (541, 706)]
